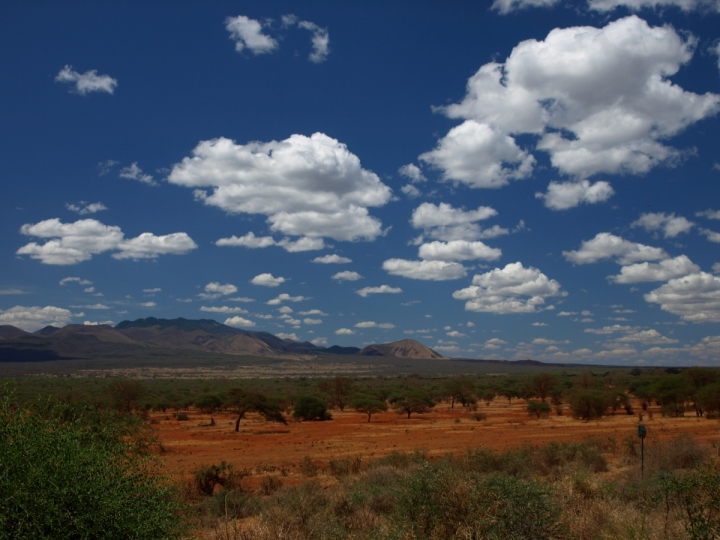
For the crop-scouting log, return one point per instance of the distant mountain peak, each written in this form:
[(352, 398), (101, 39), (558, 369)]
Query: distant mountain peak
[(405, 348)]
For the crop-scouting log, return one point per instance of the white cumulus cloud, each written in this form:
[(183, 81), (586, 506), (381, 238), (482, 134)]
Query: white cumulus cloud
[(222, 309), (347, 275), (306, 186), (331, 259), (637, 5), (382, 289), (35, 317), (670, 225), (239, 322), (458, 250), (512, 289), (412, 172), (599, 99), (662, 271), (72, 243), (248, 33), (564, 195), (267, 280), (480, 156), (695, 298), (425, 270), (344, 332), (607, 245), (284, 297), (89, 81), (293, 246), (445, 222)]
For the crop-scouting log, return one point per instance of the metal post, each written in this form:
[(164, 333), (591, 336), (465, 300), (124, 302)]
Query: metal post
[(642, 433)]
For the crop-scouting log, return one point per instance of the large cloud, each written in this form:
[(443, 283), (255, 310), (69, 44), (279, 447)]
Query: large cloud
[(307, 186), (33, 318), (695, 298), (479, 156), (513, 289), (426, 270), (662, 271), (599, 99), (607, 245), (75, 242)]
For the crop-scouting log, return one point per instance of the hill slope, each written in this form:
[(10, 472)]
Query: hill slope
[(406, 348)]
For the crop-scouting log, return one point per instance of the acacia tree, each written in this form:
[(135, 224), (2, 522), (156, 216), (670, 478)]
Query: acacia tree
[(461, 389), (413, 401), (368, 405), (542, 384), (243, 402), (126, 394), (337, 389)]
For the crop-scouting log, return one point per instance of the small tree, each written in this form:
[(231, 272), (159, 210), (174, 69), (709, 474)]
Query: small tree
[(338, 390), (589, 404), (413, 401), (208, 403), (126, 394), (243, 402), (542, 384), (368, 405), (538, 408)]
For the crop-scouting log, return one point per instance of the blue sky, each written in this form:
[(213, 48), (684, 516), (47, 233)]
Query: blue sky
[(517, 179)]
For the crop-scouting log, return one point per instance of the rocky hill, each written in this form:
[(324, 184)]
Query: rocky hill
[(406, 348)]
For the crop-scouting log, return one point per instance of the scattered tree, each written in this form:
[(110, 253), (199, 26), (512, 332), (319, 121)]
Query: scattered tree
[(538, 408), (337, 390), (413, 401), (310, 408), (368, 405), (243, 402)]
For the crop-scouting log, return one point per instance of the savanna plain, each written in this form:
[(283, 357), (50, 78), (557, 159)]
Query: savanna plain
[(471, 451)]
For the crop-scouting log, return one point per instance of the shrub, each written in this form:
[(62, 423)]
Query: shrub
[(308, 467), (72, 473), (538, 408), (310, 408), (696, 498), (589, 404), (206, 478), (182, 417)]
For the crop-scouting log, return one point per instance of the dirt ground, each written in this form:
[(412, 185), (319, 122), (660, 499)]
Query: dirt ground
[(261, 448)]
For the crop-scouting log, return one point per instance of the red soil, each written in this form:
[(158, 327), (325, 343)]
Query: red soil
[(261, 447)]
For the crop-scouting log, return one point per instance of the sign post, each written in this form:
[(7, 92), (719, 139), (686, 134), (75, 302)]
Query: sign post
[(642, 432)]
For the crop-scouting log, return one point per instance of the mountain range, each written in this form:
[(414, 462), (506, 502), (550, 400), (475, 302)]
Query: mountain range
[(162, 336)]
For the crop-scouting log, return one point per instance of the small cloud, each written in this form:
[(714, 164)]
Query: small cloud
[(104, 167), (539, 324), (86, 82), (222, 309), (240, 299), (312, 321), (347, 276), (216, 290), (292, 336), (382, 289), (92, 306), (411, 191), (566, 313), (320, 342), (83, 207), (331, 259), (314, 312), (284, 297), (412, 172), (67, 280), (92, 323), (247, 34), (11, 291), (455, 333), (239, 322), (152, 291), (147, 304), (133, 172), (320, 41), (344, 332), (267, 280)]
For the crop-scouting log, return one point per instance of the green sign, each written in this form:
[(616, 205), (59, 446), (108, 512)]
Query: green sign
[(642, 431)]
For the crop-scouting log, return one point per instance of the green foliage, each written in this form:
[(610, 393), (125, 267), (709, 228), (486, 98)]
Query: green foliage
[(208, 403), (696, 499), (310, 408), (207, 477), (243, 402), (337, 389), (79, 474), (439, 502), (412, 401), (589, 404), (538, 408), (368, 405)]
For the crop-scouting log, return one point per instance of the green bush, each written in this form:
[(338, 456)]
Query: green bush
[(310, 408), (440, 502), (538, 408), (79, 474), (696, 499)]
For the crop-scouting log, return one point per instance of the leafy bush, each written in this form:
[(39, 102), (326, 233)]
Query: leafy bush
[(696, 498), (538, 408), (206, 478), (589, 404), (310, 408), (69, 473)]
